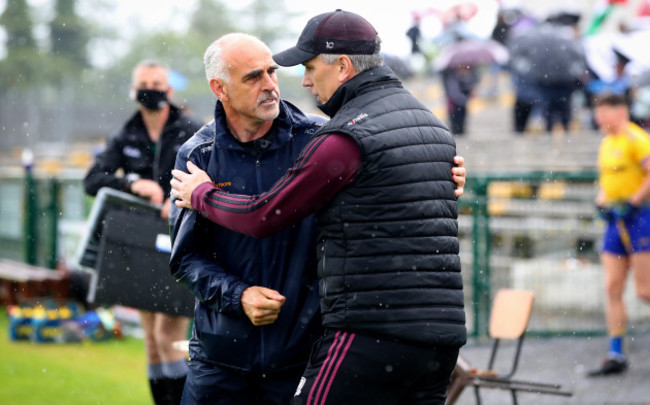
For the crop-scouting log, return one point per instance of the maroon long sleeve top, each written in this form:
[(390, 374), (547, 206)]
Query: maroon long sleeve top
[(326, 165)]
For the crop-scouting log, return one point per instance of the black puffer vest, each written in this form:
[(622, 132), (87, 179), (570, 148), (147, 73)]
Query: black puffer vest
[(388, 249)]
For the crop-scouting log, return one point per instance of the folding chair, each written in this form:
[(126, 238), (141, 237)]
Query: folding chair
[(508, 320)]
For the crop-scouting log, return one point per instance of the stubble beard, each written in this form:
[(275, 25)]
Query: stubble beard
[(268, 112)]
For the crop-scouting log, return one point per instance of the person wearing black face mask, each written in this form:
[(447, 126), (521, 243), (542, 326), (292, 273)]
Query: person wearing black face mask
[(151, 99), (145, 149)]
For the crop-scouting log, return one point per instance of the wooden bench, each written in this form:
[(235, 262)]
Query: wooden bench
[(21, 282)]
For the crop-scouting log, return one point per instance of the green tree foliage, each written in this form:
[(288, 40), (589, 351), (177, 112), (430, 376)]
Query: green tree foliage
[(28, 65), (69, 37), (210, 20), (183, 52), (23, 64), (18, 25), (267, 20)]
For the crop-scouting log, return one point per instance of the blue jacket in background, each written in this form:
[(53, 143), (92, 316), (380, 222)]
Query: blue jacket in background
[(217, 264)]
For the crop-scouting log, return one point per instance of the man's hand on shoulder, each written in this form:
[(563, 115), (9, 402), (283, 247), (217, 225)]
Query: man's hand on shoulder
[(261, 305), (183, 184), (458, 174)]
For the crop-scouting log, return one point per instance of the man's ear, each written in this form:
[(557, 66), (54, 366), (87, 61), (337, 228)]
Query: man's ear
[(218, 89), (346, 69)]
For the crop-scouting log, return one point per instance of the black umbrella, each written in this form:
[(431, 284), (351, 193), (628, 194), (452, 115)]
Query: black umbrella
[(564, 17), (547, 56), (471, 52)]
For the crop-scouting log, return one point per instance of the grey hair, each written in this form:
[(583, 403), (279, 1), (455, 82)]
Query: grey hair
[(360, 62), (215, 66), (149, 63)]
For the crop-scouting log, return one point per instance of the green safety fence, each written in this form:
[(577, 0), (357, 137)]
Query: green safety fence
[(538, 231), (533, 230), (39, 217)]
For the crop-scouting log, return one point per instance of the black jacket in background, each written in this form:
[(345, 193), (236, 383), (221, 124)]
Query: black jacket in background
[(131, 150)]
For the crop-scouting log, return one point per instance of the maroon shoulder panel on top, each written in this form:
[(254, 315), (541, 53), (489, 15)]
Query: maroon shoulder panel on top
[(326, 165)]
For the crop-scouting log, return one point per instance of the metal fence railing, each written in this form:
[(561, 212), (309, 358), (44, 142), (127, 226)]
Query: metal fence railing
[(537, 231), (534, 230), (41, 217)]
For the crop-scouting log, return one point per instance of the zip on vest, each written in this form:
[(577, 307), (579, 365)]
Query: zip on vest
[(324, 278)]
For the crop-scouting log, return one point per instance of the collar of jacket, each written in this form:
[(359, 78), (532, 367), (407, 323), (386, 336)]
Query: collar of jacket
[(136, 123), (358, 85), (279, 134)]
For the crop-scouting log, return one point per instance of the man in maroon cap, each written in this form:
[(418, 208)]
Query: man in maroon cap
[(377, 176)]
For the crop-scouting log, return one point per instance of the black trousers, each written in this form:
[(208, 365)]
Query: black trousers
[(521, 111), (457, 118), (557, 106), (212, 384), (349, 368)]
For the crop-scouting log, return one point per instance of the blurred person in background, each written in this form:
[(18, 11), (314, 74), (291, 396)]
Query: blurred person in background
[(528, 98), (419, 59), (620, 84), (640, 109), (415, 35), (144, 149), (624, 168), (563, 74), (459, 83), (258, 310)]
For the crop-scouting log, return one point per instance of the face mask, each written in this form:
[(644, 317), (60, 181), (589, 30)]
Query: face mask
[(151, 99)]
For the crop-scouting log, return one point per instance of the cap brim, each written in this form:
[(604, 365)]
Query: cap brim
[(293, 56)]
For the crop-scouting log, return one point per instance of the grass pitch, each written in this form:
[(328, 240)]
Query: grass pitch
[(110, 372)]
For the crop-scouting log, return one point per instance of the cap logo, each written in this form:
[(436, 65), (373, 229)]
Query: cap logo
[(329, 45)]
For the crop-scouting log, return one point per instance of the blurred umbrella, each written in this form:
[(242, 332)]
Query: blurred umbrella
[(523, 24), (564, 17), (471, 52), (599, 55), (600, 52), (634, 45), (398, 66), (547, 56)]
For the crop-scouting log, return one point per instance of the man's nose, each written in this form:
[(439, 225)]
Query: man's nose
[(269, 82)]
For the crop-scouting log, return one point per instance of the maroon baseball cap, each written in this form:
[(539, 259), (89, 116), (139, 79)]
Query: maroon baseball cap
[(338, 32)]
